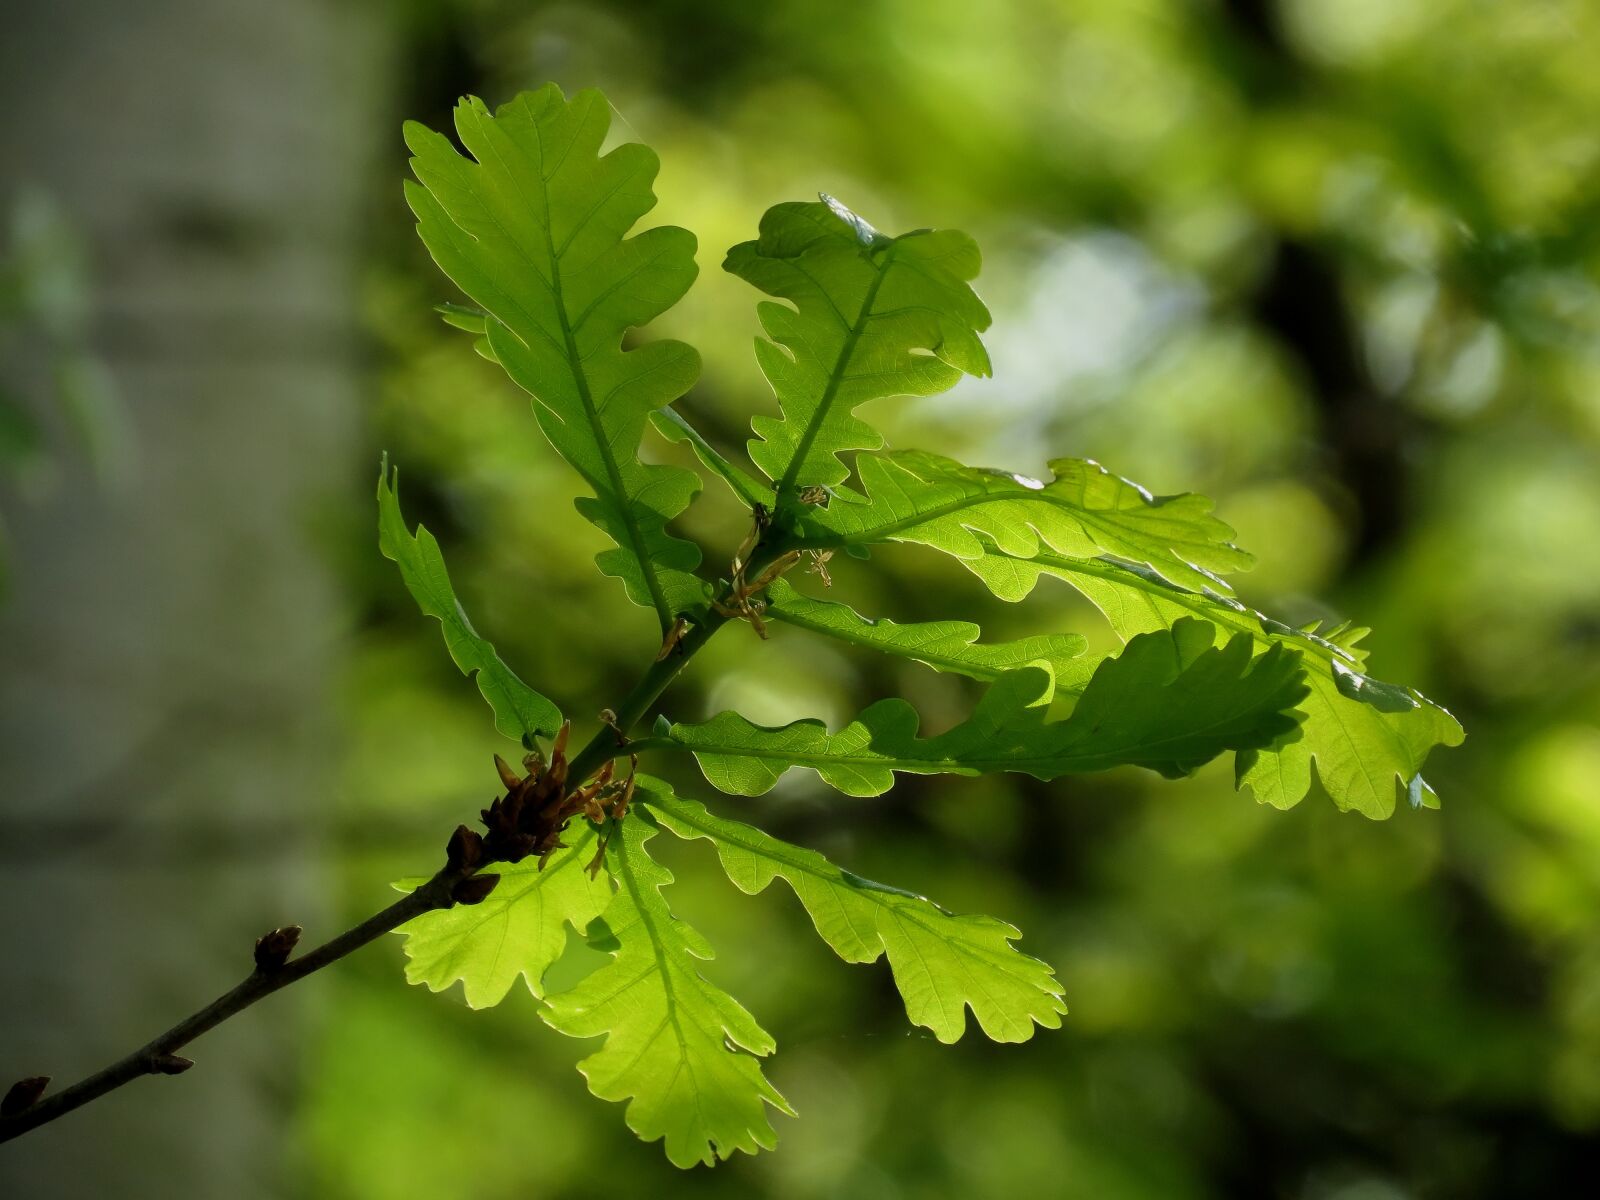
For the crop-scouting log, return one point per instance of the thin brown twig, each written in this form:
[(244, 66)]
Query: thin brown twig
[(159, 1056), (275, 971)]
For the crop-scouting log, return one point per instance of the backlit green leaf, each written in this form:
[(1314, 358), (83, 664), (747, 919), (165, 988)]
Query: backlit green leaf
[(519, 930), (678, 1048), (671, 425), (914, 496), (871, 316), (943, 964), (519, 711), (1368, 738), (533, 228), (1170, 702), (943, 645)]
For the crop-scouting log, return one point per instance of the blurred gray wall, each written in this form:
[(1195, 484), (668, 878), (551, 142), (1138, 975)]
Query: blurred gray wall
[(167, 647)]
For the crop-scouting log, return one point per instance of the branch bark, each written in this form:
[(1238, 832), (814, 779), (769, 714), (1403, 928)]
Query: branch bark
[(159, 1056)]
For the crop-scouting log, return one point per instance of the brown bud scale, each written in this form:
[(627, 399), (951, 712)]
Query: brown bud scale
[(23, 1095)]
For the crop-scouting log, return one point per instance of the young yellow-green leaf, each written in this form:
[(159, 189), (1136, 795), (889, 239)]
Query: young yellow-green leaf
[(1170, 701), (943, 964), (519, 930), (1085, 511), (943, 645), (1368, 738), (872, 316), (678, 1048), (519, 711), (533, 228)]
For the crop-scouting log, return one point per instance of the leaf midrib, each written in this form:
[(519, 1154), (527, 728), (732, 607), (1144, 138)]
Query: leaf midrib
[(579, 377), (631, 881), (836, 376)]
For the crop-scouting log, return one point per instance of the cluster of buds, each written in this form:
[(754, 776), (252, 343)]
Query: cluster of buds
[(529, 819), (819, 565), (742, 602), (818, 497)]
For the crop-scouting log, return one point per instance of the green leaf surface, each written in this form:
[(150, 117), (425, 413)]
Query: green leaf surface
[(463, 317), (519, 711), (1085, 511), (678, 1048), (518, 931), (871, 316), (943, 964), (672, 426), (1170, 701), (1368, 739), (533, 228), (951, 646)]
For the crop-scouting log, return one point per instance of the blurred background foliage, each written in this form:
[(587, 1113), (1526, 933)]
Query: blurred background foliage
[(1332, 264), (66, 398)]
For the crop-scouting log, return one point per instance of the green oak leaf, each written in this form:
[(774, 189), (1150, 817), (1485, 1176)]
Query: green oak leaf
[(943, 964), (520, 929), (1170, 701), (678, 1048), (519, 711), (533, 229), (671, 425), (1085, 511), (871, 316), (951, 646), (1368, 739)]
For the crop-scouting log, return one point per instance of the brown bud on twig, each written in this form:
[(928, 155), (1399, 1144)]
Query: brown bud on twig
[(556, 779), (23, 1095), (465, 847), (273, 949), (171, 1064), (508, 776), (620, 809), (673, 638), (474, 890)]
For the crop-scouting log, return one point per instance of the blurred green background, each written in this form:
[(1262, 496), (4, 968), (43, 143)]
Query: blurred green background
[(1332, 264)]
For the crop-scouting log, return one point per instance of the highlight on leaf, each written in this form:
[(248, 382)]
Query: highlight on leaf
[(1084, 511), (1171, 701), (519, 711), (532, 227), (869, 316), (1367, 739), (943, 964), (682, 1052)]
